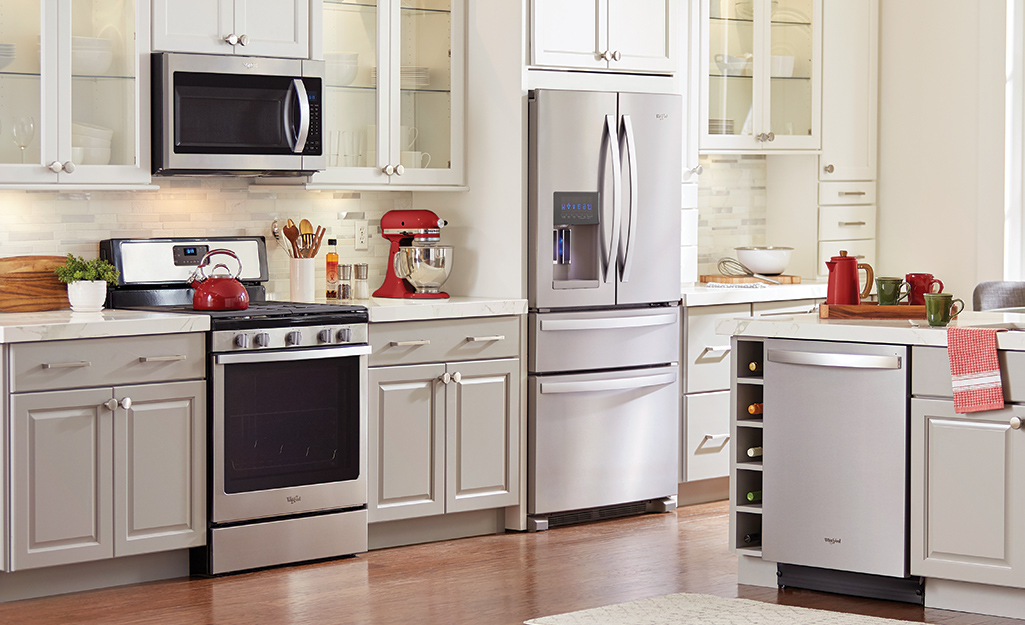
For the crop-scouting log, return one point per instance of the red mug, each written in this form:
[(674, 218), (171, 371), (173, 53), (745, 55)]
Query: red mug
[(921, 283)]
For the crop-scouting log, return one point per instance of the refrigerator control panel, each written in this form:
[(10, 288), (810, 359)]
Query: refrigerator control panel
[(576, 208)]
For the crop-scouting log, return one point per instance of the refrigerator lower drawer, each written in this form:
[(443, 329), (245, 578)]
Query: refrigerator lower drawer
[(603, 339), (602, 438)]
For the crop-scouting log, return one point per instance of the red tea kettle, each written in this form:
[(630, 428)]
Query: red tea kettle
[(844, 287), (218, 292)]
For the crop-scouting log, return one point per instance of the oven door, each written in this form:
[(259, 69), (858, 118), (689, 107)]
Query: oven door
[(289, 432)]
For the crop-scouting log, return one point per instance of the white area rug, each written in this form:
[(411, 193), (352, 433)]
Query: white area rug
[(689, 609)]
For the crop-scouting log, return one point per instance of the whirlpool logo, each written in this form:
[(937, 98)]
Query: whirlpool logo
[(661, 116), (832, 541), (294, 499)]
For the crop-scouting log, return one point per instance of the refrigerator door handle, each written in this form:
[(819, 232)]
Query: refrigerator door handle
[(617, 384), (625, 248), (609, 143)]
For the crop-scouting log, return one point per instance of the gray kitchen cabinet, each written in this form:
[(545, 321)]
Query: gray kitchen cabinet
[(106, 471), (444, 436), (617, 35), (246, 27), (967, 501)]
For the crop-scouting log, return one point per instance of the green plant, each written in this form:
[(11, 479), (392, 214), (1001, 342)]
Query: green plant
[(76, 268)]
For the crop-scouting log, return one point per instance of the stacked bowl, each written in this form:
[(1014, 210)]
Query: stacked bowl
[(91, 56), (90, 145), (6, 54), (341, 67)]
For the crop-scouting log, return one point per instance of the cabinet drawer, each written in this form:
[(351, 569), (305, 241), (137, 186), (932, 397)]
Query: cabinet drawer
[(707, 354), (409, 342), (930, 373), (77, 363), (841, 193), (707, 428), (790, 307), (837, 223), (864, 250)]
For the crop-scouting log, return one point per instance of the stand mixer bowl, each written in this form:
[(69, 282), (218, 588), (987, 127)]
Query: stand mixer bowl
[(425, 267)]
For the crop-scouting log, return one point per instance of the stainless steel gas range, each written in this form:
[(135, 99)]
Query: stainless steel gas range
[(287, 451)]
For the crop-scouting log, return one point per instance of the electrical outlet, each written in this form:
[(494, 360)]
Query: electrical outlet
[(362, 235)]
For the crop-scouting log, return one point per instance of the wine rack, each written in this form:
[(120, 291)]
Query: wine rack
[(746, 427)]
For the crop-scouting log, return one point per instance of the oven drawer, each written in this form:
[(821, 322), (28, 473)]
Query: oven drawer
[(49, 365), (437, 340)]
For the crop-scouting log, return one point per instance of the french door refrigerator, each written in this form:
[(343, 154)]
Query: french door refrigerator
[(603, 401)]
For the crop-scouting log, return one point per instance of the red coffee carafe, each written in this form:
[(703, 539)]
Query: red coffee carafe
[(844, 287)]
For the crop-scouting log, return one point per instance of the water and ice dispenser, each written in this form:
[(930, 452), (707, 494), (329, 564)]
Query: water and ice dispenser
[(576, 240)]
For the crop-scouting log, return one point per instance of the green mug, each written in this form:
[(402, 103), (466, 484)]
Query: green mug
[(939, 308), (890, 291)]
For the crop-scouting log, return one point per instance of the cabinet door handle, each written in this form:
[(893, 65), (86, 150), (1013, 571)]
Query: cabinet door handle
[(844, 224), (174, 358), (715, 440), (445, 377), (411, 343), (714, 350), (616, 55), (231, 40), (126, 403), (457, 377), (67, 365), (829, 168), (111, 404), (56, 167), (697, 170), (1016, 423), (388, 170), (243, 40), (493, 337), (846, 193), (69, 167)]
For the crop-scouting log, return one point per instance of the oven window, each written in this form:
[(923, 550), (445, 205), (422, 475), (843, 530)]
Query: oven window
[(290, 423)]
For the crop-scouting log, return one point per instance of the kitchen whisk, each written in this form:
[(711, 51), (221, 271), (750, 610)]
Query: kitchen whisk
[(733, 267)]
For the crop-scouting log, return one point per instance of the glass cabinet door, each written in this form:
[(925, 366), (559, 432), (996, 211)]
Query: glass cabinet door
[(790, 69), (21, 112), (731, 71)]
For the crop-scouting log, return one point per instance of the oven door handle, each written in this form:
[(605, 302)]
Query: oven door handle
[(298, 354), (301, 99)]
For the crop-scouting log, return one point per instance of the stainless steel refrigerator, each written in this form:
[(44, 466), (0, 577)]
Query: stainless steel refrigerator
[(604, 288)]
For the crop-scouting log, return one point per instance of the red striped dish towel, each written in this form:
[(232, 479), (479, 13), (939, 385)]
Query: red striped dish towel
[(974, 369)]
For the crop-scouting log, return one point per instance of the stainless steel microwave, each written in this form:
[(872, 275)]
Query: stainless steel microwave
[(237, 115)]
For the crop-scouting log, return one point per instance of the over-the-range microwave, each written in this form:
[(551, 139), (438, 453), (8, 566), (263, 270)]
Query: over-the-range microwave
[(236, 115)]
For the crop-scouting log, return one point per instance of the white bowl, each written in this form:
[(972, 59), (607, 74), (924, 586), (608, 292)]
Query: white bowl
[(90, 62), (93, 156), (85, 141), (92, 43), (90, 130), (77, 155), (732, 65), (342, 67), (765, 260)]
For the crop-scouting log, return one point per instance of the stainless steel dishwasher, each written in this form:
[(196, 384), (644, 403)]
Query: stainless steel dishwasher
[(835, 482)]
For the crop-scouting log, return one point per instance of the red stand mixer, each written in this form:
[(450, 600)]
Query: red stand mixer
[(417, 265)]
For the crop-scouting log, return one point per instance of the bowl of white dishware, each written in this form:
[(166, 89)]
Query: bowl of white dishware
[(769, 260), (85, 141), (341, 67), (94, 156), (91, 130)]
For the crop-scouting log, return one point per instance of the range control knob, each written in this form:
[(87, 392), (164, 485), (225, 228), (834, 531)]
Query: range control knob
[(242, 341), (295, 337), (344, 335), (262, 339), (324, 336)]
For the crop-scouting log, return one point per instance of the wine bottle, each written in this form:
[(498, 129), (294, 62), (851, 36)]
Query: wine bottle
[(754, 495), (755, 366), (753, 537), (755, 408), (754, 452)]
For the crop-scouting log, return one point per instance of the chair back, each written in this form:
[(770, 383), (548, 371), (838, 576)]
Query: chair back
[(998, 294)]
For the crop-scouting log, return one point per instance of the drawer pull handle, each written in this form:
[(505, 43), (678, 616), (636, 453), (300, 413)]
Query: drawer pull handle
[(846, 193), (1016, 423), (716, 350), (851, 223), (784, 313), (416, 343), (715, 440), (479, 339), (67, 365), (174, 358)]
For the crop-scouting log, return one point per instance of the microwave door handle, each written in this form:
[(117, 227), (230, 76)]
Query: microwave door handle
[(630, 152), (609, 142), (302, 98)]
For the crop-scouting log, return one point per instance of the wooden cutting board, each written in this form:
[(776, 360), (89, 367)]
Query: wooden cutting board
[(28, 284), (870, 310), (783, 279)]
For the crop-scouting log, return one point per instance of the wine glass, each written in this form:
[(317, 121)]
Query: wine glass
[(24, 130)]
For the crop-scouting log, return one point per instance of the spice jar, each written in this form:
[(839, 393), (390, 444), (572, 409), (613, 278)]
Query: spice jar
[(360, 288)]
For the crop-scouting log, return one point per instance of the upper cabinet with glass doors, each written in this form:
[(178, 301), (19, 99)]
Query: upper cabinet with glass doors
[(279, 28), (761, 63), (394, 97), (72, 81)]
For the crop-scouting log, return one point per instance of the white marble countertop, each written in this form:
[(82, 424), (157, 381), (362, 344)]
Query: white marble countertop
[(386, 309), (697, 294), (64, 324), (895, 331)]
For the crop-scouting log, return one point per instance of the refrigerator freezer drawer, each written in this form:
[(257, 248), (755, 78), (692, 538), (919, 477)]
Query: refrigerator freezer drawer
[(602, 439), (605, 339)]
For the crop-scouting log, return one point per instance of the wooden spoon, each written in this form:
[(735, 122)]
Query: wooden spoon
[(292, 234), (305, 227), (316, 241)]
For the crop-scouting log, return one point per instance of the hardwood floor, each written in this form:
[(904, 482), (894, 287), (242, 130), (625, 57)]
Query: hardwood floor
[(491, 580)]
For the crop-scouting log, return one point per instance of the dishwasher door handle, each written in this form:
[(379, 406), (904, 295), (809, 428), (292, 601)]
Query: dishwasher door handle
[(820, 359)]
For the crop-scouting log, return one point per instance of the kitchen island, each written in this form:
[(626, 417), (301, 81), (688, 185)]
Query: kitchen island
[(960, 501)]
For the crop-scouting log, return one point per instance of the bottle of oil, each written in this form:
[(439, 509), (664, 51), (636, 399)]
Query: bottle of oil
[(332, 269)]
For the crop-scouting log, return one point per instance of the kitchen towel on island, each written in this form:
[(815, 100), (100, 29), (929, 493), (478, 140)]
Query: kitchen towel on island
[(974, 369)]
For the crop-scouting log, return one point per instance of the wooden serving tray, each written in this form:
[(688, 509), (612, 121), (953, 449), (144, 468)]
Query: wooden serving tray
[(782, 278), (870, 310), (28, 284)]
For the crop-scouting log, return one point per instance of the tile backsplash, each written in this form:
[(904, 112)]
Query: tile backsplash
[(731, 206), (33, 222)]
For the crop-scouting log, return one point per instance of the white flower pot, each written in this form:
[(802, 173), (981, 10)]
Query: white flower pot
[(87, 295)]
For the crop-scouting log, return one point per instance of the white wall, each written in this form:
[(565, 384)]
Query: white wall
[(941, 140)]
